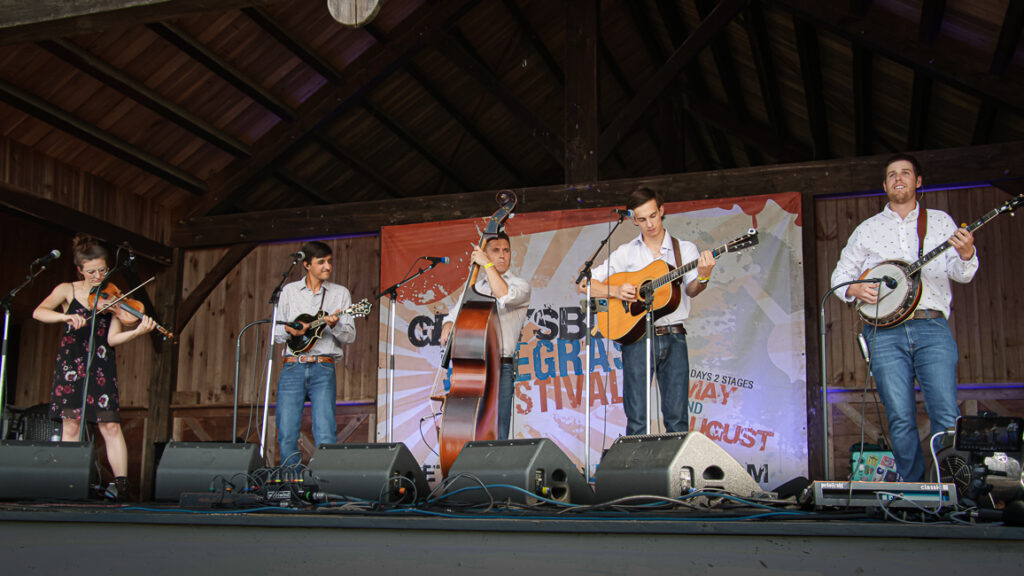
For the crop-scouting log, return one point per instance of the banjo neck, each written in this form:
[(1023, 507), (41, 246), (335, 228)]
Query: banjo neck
[(934, 252)]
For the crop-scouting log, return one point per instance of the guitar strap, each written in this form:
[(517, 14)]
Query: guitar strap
[(675, 248)]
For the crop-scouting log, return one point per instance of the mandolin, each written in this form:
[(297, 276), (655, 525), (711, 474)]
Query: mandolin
[(302, 342)]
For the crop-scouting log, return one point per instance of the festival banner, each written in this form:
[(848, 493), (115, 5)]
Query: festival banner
[(745, 333)]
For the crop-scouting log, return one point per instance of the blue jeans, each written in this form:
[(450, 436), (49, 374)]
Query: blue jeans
[(296, 383), (506, 388), (922, 349), (671, 364)]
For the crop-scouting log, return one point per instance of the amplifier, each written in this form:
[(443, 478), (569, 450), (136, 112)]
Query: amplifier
[(878, 494)]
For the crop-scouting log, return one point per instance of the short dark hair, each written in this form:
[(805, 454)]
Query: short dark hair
[(641, 196), (896, 158), (315, 249), (501, 236)]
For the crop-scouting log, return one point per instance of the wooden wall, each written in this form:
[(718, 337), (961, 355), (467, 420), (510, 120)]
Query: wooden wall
[(987, 318)]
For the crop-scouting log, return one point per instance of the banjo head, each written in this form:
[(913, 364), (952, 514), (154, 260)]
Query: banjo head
[(891, 301)]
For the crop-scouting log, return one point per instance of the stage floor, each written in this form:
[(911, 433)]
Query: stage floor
[(106, 538)]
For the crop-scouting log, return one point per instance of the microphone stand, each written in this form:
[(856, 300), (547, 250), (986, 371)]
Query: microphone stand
[(6, 305), (822, 359), (91, 349), (238, 361), (392, 293), (587, 273), (274, 297)]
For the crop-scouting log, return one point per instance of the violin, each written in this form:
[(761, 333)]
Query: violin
[(128, 310)]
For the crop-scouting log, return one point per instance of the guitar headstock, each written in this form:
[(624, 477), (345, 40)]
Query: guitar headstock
[(507, 200), (360, 309), (746, 241)]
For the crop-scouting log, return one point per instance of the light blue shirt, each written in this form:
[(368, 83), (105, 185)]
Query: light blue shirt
[(297, 298)]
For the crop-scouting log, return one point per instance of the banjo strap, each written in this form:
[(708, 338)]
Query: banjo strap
[(922, 229)]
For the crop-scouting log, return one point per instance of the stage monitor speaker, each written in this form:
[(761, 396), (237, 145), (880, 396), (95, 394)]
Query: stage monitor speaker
[(671, 465), (204, 467), (383, 472), (35, 469), (537, 466)]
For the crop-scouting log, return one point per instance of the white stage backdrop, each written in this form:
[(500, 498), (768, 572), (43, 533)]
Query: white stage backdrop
[(746, 333)]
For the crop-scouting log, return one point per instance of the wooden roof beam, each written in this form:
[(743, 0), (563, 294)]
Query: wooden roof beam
[(535, 40), (810, 70), (978, 165), (984, 122), (360, 167), (312, 193), (760, 48), (1009, 37), (959, 65), (607, 59), (863, 120), (190, 305), (293, 44), (932, 13), (90, 134), (139, 92), (581, 119), (392, 126), (45, 19), (24, 202), (365, 73), (221, 67), (710, 27), (457, 50), (920, 102), (721, 53)]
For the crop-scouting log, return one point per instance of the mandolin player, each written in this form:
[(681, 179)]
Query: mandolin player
[(310, 373), (922, 346)]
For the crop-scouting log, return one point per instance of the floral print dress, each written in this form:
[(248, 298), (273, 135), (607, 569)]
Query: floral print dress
[(69, 375)]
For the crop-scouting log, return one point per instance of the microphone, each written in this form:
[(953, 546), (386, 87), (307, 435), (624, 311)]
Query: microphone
[(889, 281), (53, 255), (300, 255), (131, 254), (620, 212), (292, 325), (438, 259)]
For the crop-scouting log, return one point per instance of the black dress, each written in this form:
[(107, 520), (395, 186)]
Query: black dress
[(69, 374)]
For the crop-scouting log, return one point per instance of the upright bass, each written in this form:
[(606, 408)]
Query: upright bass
[(470, 409)]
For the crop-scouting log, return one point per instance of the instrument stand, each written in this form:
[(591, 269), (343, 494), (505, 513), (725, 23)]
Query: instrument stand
[(275, 296), (824, 375), (392, 293), (6, 305), (587, 273)]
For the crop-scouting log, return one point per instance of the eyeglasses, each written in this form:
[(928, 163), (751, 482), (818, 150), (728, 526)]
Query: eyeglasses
[(102, 270)]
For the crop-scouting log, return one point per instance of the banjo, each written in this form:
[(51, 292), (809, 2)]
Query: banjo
[(900, 294)]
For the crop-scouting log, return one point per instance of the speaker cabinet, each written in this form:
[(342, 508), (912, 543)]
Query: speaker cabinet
[(671, 465), (33, 469), (204, 467), (384, 472), (537, 466)]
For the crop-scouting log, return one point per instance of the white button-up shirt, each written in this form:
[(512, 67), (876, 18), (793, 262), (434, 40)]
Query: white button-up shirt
[(512, 308), (297, 298), (886, 236), (634, 255)]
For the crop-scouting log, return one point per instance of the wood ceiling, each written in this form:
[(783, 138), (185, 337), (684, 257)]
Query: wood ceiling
[(220, 107)]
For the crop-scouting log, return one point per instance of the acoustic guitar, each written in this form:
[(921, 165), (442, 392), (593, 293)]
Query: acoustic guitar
[(898, 300), (302, 342), (659, 283)]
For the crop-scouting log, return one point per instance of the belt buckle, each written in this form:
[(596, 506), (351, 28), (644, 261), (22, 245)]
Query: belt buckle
[(307, 359)]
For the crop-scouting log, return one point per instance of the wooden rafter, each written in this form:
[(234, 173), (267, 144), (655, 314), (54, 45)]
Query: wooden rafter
[(139, 92), (704, 33), (581, 108), (947, 167), (959, 65), (814, 90), (932, 14), (760, 48), (221, 67), (366, 72), (46, 19), (360, 167), (25, 202), (457, 50), (863, 120), (188, 307), (1009, 37), (293, 44), (89, 133), (920, 102), (535, 40)]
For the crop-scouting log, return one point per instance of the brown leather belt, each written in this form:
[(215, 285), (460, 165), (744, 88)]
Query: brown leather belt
[(670, 329), (310, 359), (926, 314)]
